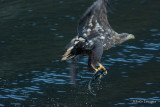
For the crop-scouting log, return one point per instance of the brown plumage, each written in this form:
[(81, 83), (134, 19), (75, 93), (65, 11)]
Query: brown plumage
[(94, 34)]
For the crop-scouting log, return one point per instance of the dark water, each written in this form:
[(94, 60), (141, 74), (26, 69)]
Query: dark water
[(33, 34)]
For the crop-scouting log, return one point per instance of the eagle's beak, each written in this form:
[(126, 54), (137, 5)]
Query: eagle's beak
[(131, 36)]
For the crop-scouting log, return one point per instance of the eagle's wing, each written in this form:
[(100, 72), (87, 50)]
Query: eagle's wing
[(92, 26), (94, 21)]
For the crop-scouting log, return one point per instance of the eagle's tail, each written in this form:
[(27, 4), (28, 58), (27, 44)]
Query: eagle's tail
[(68, 54), (72, 51)]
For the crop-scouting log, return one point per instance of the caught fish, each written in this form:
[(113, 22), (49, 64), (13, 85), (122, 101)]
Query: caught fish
[(96, 76)]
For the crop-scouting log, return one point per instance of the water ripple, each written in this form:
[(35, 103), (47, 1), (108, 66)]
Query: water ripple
[(52, 77), (154, 30), (152, 46), (157, 99), (1, 105)]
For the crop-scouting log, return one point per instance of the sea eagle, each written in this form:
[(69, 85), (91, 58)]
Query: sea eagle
[(94, 36)]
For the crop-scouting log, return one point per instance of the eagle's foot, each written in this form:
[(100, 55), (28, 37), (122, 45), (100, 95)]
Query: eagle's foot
[(101, 67)]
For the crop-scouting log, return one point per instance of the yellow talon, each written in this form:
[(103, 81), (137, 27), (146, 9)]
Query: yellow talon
[(106, 72), (96, 70), (100, 76), (99, 68), (102, 67)]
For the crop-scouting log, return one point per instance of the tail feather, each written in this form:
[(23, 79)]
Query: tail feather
[(67, 55), (71, 51), (74, 48)]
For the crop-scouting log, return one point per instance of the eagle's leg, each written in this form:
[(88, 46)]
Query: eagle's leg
[(95, 58)]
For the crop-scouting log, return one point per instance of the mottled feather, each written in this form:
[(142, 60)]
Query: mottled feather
[(94, 20)]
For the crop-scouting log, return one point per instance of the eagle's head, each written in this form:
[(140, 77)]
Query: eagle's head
[(125, 36)]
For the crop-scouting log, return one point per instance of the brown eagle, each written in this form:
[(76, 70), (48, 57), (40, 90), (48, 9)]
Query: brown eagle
[(94, 36)]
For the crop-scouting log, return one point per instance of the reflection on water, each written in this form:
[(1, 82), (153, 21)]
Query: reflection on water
[(32, 40)]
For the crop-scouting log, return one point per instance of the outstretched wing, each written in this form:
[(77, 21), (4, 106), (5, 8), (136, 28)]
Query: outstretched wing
[(94, 21)]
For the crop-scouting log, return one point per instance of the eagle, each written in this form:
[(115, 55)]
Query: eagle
[(95, 35)]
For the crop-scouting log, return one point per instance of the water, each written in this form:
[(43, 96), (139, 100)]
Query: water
[(32, 39)]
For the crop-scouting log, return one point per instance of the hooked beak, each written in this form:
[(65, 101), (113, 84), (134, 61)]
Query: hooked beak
[(130, 36)]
